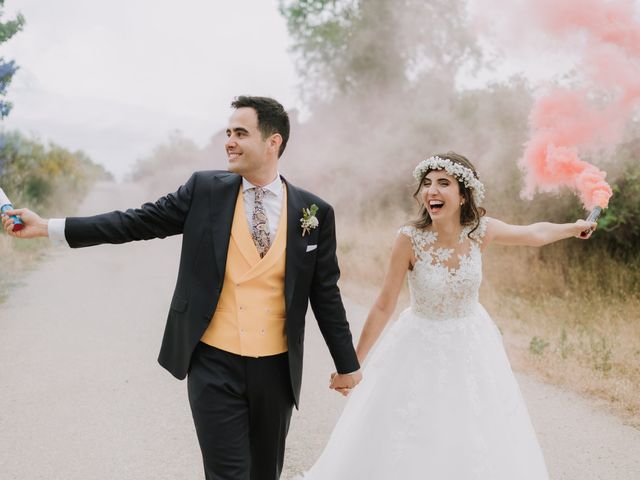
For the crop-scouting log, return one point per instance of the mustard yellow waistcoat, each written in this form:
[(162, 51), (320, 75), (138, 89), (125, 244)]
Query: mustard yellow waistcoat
[(250, 316)]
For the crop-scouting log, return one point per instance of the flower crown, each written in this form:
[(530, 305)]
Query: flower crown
[(460, 172)]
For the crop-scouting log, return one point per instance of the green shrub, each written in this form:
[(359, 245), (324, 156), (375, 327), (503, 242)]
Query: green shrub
[(45, 178)]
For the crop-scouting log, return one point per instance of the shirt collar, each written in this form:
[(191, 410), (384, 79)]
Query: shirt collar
[(274, 187)]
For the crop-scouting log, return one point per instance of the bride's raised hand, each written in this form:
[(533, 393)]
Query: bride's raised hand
[(584, 229)]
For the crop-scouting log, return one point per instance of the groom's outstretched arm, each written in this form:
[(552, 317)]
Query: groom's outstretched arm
[(153, 220), (159, 219), (326, 301)]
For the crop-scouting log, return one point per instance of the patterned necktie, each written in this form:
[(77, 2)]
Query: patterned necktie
[(260, 223)]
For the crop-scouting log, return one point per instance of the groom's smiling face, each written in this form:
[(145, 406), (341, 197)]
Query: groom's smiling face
[(247, 151)]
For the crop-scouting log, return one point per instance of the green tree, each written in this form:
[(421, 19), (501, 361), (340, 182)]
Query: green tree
[(620, 225), (351, 46), (7, 68)]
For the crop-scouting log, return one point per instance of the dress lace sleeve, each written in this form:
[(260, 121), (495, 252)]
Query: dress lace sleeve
[(479, 233), (410, 231), (407, 231)]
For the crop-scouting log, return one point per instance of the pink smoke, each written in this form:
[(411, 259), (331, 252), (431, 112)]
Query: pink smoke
[(566, 122)]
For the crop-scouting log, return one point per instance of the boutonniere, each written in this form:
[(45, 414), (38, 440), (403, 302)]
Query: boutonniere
[(309, 220)]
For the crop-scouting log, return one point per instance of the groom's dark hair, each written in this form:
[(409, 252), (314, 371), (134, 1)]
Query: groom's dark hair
[(272, 117)]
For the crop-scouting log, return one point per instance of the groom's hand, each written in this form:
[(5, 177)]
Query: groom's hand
[(344, 383), (34, 225)]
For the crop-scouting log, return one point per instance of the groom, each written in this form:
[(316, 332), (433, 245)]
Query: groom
[(247, 271)]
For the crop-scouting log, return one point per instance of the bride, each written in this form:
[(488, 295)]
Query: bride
[(439, 400)]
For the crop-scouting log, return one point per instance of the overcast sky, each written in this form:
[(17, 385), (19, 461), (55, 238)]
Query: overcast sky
[(115, 78)]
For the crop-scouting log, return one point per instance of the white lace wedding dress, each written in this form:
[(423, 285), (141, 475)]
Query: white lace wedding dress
[(439, 400)]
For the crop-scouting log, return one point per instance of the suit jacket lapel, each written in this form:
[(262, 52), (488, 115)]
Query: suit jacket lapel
[(296, 244), (224, 194)]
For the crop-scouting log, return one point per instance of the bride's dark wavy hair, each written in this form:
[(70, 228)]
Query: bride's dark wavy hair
[(470, 213)]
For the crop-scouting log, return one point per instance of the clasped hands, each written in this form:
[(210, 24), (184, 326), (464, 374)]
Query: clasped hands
[(345, 382)]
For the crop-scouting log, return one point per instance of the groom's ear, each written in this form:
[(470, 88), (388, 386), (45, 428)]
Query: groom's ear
[(274, 142)]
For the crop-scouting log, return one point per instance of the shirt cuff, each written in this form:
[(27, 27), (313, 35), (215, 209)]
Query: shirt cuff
[(55, 227), (352, 373)]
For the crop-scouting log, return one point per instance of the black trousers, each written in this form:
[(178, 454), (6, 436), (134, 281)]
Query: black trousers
[(241, 407)]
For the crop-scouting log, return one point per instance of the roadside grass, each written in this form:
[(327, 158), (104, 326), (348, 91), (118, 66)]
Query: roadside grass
[(18, 258), (575, 322)]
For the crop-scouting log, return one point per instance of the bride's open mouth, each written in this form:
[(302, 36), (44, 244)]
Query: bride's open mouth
[(435, 205)]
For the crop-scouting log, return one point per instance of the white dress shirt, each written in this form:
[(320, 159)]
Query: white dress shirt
[(272, 202)]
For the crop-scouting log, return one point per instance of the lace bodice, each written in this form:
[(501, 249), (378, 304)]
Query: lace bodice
[(444, 282)]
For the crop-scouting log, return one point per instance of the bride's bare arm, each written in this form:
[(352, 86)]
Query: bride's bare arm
[(536, 234), (385, 304)]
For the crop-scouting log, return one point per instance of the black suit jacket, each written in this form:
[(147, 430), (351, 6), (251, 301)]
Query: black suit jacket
[(202, 211)]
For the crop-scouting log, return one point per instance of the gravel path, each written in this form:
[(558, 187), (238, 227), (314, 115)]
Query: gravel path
[(82, 397)]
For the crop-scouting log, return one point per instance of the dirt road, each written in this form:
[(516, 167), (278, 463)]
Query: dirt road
[(82, 397)]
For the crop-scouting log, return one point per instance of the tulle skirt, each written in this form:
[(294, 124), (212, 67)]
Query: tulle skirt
[(439, 401)]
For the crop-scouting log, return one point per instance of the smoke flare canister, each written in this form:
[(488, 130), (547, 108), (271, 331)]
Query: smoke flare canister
[(593, 217), (5, 204)]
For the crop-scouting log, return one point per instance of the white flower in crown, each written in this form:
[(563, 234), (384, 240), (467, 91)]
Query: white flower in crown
[(460, 172)]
